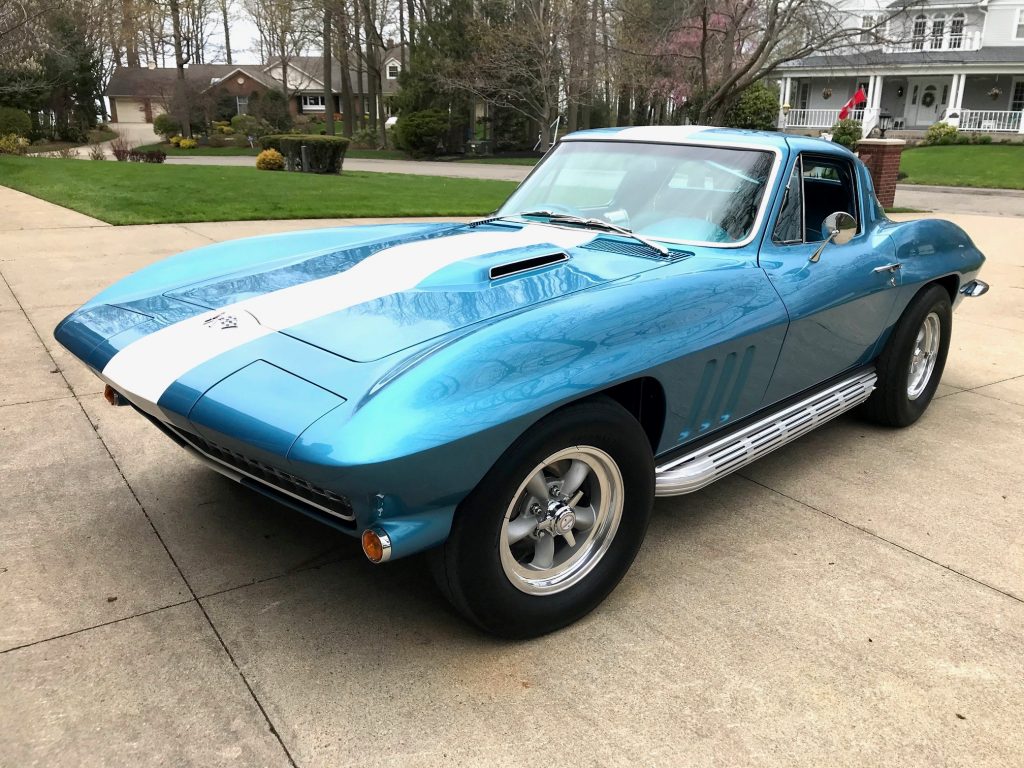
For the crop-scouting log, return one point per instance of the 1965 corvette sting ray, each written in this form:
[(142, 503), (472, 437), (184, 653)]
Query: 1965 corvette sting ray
[(652, 309)]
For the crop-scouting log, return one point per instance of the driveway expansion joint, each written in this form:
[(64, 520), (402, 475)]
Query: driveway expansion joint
[(890, 542), (142, 508)]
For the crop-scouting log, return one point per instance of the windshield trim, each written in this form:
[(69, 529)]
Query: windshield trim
[(762, 211)]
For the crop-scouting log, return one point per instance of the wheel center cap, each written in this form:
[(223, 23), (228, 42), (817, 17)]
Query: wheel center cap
[(565, 521)]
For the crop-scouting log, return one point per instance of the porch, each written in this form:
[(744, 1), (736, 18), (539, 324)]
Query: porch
[(992, 103)]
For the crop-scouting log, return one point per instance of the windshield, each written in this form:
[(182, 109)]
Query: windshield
[(671, 192)]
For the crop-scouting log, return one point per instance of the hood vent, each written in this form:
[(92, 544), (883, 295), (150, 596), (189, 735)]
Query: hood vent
[(527, 265)]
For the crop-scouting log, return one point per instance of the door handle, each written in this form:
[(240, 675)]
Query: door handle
[(888, 268)]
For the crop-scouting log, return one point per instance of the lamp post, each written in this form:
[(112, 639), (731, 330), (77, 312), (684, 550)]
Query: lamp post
[(884, 123)]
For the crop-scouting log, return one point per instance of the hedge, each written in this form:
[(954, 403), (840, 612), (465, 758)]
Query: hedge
[(325, 153)]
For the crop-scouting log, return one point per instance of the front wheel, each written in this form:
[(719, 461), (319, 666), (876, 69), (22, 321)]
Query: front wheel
[(554, 525), (911, 365)]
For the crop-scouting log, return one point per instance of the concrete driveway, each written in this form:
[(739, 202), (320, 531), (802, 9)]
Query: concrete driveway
[(854, 599)]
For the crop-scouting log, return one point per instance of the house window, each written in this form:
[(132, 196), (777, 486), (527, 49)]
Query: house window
[(920, 27), (867, 25), (1019, 31), (393, 70), (956, 31), (311, 103), (938, 27), (1017, 96), (242, 104)]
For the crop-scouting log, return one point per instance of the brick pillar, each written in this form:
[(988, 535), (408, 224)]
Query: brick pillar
[(882, 157)]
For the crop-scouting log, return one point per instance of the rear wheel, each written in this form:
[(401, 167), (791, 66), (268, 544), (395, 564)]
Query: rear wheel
[(911, 365), (554, 525)]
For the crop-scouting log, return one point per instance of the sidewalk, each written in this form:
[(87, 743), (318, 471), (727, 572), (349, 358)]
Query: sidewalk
[(988, 202)]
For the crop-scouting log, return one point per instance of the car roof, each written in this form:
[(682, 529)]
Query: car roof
[(687, 134)]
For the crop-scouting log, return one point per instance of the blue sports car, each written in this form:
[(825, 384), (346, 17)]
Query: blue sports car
[(652, 309)]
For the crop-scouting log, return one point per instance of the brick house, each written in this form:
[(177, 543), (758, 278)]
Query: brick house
[(138, 94)]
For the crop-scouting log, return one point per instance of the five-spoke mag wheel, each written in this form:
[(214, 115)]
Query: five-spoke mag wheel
[(911, 364), (554, 525), (561, 520)]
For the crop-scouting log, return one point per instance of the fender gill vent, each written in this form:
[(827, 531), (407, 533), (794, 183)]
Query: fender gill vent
[(526, 265), (608, 245)]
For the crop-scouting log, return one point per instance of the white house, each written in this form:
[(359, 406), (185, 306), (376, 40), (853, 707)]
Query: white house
[(929, 60)]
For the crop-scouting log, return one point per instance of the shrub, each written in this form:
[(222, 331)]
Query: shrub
[(11, 144), (963, 138), (364, 138), (188, 144), (981, 138), (272, 108), (326, 153), (421, 133), (96, 151), (941, 133), (175, 139), (14, 121), (757, 108), (148, 156), (121, 149), (65, 153), (166, 126), (270, 160), (847, 132), (249, 125)]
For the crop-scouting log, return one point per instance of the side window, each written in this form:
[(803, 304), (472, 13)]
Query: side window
[(789, 227), (829, 186)]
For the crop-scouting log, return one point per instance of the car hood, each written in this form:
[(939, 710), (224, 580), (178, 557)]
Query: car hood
[(369, 301), (361, 293)]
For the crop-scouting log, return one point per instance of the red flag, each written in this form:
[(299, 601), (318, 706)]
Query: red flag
[(858, 98)]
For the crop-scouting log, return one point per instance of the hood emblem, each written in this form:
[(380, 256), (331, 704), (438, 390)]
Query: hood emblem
[(222, 320)]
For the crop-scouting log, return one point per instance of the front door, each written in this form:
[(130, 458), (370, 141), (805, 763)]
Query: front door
[(839, 304), (926, 101)]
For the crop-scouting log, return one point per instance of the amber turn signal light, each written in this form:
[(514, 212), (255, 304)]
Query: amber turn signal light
[(376, 545)]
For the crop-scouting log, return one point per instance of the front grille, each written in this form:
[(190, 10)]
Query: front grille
[(292, 485), (608, 245)]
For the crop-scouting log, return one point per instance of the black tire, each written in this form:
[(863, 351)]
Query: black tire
[(890, 404), (468, 566)]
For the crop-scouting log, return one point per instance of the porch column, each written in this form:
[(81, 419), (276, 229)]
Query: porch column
[(875, 92), (784, 90), (956, 92)]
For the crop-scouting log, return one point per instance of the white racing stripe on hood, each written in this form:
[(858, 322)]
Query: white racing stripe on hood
[(147, 367)]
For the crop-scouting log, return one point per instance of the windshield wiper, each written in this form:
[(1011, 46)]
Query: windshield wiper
[(581, 221)]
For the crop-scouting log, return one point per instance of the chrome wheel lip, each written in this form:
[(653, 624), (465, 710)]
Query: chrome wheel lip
[(590, 545), (923, 355)]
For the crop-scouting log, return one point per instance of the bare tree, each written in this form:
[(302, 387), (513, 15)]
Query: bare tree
[(286, 29), (225, 15), (718, 48)]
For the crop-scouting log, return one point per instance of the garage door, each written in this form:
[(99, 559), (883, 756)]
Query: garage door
[(130, 111)]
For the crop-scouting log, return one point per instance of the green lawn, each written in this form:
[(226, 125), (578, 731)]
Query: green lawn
[(173, 151), (361, 154), (139, 193), (1000, 166)]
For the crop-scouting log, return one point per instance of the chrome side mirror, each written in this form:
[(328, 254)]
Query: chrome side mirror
[(839, 228)]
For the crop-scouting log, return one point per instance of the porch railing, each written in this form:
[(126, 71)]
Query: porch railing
[(949, 41), (826, 118), (995, 120)]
